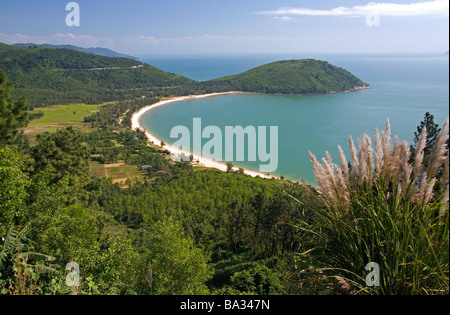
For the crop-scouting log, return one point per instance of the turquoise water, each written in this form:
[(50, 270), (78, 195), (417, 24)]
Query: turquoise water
[(403, 90)]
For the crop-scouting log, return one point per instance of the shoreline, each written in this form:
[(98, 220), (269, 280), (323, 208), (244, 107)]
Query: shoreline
[(198, 160)]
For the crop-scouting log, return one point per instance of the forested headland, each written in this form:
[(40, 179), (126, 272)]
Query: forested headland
[(307, 76)]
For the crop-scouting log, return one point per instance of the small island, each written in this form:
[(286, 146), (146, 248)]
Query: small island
[(305, 76)]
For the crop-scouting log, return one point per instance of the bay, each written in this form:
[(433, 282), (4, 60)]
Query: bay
[(403, 89)]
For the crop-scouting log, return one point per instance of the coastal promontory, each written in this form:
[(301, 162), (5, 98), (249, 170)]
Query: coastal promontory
[(305, 76)]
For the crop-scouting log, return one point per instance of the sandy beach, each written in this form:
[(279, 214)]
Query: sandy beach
[(198, 160)]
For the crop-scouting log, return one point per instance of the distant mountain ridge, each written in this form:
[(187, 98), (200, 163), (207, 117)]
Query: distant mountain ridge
[(105, 52)]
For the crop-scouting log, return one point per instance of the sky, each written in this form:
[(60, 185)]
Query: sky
[(177, 27)]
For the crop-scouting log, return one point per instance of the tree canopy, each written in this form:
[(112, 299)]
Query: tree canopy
[(13, 113)]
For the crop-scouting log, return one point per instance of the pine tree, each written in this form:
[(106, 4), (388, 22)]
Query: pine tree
[(13, 114), (62, 153), (433, 131)]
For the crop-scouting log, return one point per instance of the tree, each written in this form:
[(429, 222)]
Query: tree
[(259, 280), (177, 266), (13, 114), (13, 187), (63, 153), (433, 131), (120, 267), (69, 234)]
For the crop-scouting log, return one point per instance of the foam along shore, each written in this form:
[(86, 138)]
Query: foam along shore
[(198, 160)]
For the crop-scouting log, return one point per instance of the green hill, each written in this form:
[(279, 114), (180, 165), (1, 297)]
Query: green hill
[(305, 76), (47, 76), (96, 51)]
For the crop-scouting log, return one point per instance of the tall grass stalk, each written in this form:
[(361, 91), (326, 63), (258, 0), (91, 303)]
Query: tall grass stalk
[(387, 210)]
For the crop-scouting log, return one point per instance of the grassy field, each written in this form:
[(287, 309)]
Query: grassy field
[(98, 169), (119, 173), (61, 116)]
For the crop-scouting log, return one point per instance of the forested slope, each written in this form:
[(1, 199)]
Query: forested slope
[(48, 76), (305, 76)]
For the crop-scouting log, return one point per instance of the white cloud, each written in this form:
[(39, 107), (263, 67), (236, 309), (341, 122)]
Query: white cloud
[(429, 8), (284, 18)]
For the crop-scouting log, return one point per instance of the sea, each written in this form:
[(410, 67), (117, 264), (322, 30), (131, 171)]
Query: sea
[(403, 89)]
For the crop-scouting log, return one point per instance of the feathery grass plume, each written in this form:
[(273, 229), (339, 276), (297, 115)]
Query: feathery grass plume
[(439, 152), (338, 182), (391, 163), (400, 168), (362, 169), (421, 190), (444, 202), (378, 153), (370, 159), (328, 167), (318, 172), (420, 153), (394, 162), (362, 161), (355, 166), (366, 159), (343, 191), (331, 187), (406, 167), (429, 194), (344, 166), (386, 212), (445, 175), (386, 144)]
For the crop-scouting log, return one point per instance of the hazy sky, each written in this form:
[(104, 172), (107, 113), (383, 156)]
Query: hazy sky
[(146, 27)]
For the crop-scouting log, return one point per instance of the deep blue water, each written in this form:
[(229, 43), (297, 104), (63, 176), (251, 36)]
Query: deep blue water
[(403, 89)]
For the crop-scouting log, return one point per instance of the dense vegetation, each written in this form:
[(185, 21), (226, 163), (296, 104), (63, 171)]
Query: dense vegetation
[(194, 230), (306, 76)]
